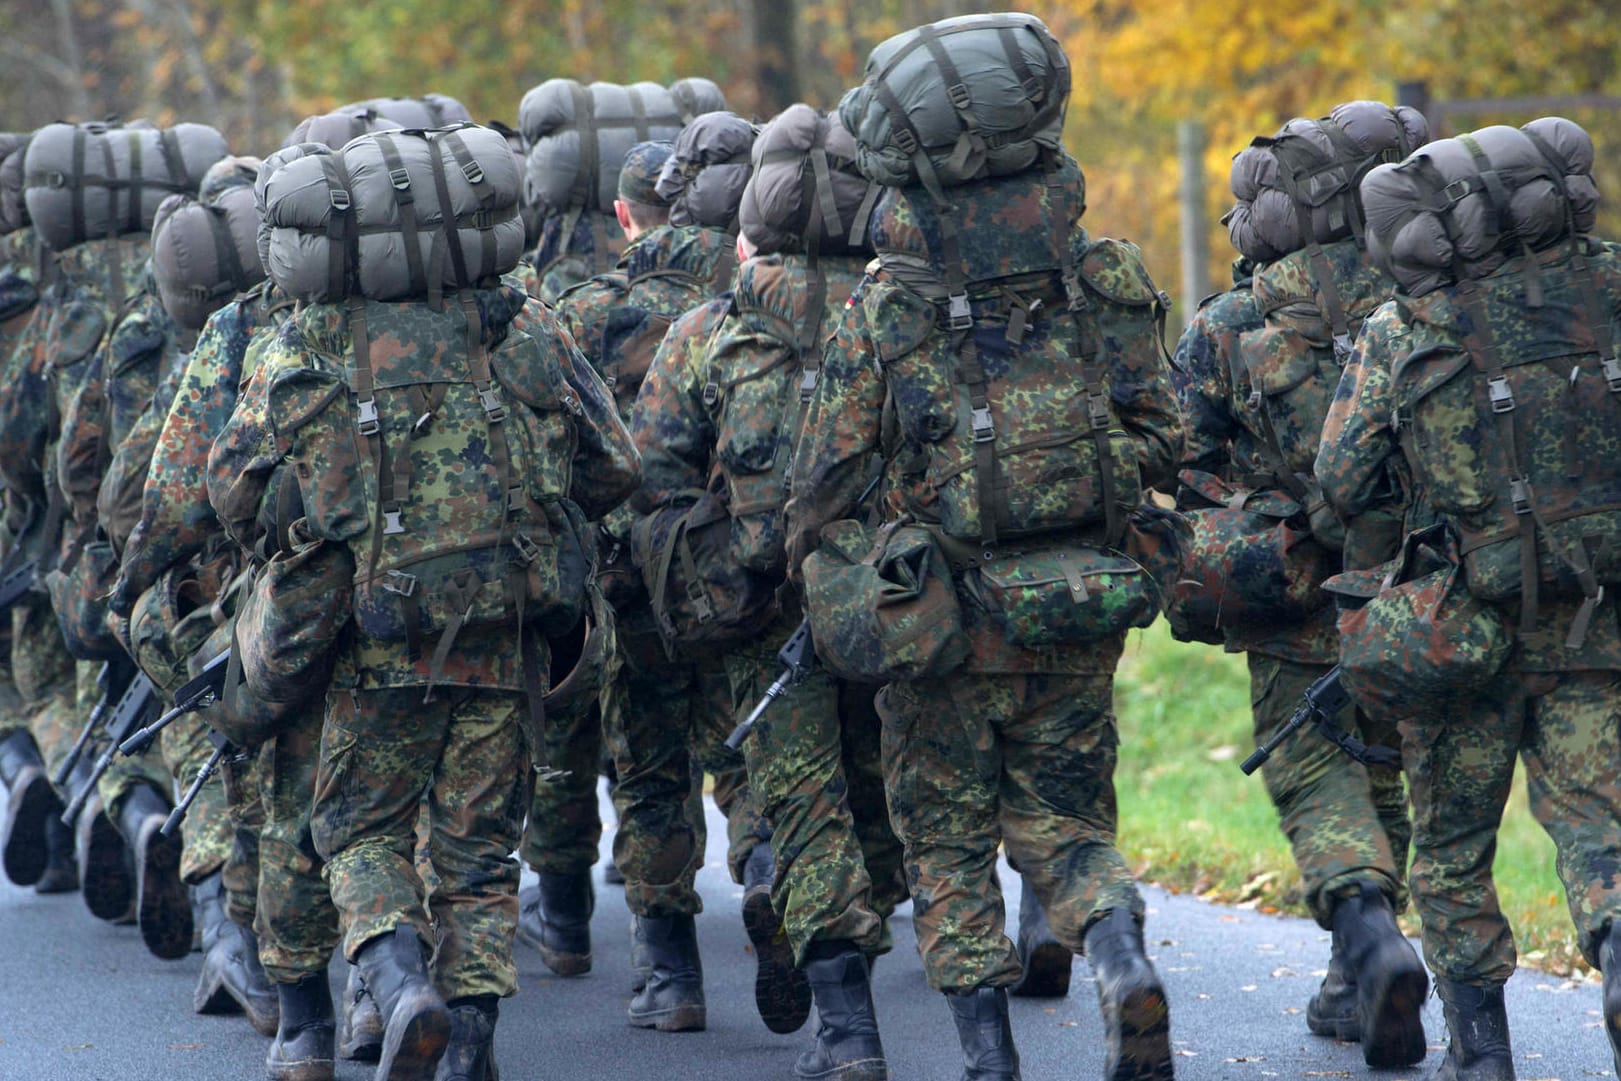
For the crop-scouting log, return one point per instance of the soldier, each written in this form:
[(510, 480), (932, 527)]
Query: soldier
[(1346, 822), (1449, 388)]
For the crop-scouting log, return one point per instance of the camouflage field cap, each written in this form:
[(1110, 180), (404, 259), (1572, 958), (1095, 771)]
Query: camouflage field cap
[(639, 176)]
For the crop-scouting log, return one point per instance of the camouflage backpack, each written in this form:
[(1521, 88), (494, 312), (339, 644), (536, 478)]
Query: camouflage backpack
[(443, 466)]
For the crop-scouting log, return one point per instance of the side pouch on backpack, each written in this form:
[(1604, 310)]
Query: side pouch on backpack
[(79, 598), (583, 662), (1252, 562), (1063, 595), (1421, 642), (882, 604), (289, 622)]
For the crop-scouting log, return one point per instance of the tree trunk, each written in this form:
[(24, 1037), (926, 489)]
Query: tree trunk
[(776, 54)]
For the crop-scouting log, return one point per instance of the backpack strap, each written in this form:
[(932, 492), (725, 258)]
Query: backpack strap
[(405, 199), (1502, 221), (341, 235), (1293, 172)]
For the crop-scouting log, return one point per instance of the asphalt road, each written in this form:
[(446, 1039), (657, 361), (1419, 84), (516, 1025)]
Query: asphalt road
[(81, 1000)]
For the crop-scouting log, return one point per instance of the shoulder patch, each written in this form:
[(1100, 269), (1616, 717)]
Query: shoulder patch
[(1115, 269)]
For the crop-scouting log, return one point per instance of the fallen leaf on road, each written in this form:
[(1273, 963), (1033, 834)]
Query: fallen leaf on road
[(186, 1046), (1187, 1054), (78, 1046), (1248, 987), (1326, 1073)]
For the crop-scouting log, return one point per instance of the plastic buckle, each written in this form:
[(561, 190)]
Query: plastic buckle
[(711, 396), (1254, 400), (961, 100), (515, 502), (904, 142), (1342, 349), (339, 198), (1502, 395), (1519, 490), (474, 172), (1455, 192), (526, 546), (984, 428), (1073, 293), (1400, 419), (399, 178), (807, 385), (369, 423), (491, 401), (700, 602), (962, 316), (392, 523), (401, 583), (1097, 411), (1612, 373)]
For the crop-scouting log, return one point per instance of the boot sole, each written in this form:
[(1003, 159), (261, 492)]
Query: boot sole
[(58, 879), (561, 962), (108, 886), (1046, 973), (314, 1069), (415, 1039), (866, 1069), (26, 852), (1140, 1037), (362, 1046), (164, 909), (1345, 1028), (1389, 1007), (782, 994), (675, 1019)]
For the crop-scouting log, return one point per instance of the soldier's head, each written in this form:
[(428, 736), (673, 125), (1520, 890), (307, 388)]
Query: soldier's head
[(640, 207)]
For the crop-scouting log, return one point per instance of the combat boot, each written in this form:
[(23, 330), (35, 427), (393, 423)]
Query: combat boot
[(30, 803), (782, 994), (1332, 1010), (555, 918), (232, 978), (1609, 961), (986, 1034), (361, 1036), (416, 1024), (61, 872), (470, 1055), (1136, 1015), (1477, 1024), (673, 999), (1046, 961), (163, 909), (1390, 979), (847, 1044), (106, 877), (302, 1049)]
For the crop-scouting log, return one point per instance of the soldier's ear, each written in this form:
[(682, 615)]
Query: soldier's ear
[(622, 212)]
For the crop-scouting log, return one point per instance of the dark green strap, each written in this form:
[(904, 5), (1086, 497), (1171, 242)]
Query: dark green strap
[(400, 180), (341, 239), (447, 229)]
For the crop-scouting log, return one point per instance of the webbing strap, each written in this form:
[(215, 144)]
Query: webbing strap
[(229, 259), (80, 136), (478, 366), (1322, 273), (405, 199), (133, 209), (1502, 219), (448, 230), (638, 113), (368, 424), (340, 236), (957, 93), (115, 257), (484, 221), (585, 121)]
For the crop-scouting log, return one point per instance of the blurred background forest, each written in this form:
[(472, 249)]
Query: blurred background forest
[(1240, 67)]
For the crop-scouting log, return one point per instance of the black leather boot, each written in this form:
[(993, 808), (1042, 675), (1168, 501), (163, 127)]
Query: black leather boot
[(555, 918), (673, 1000), (1390, 979), (1477, 1022), (1609, 961), (782, 994), (416, 1022), (232, 978), (1332, 1010), (986, 1034), (302, 1050), (1046, 962), (163, 909), (847, 1044), (30, 803), (1136, 1015), (470, 1055), (61, 872), (106, 874), (361, 1037)]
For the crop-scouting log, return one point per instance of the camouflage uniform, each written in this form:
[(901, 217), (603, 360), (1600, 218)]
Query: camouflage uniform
[(19, 297), (1553, 707), (812, 759), (1345, 822), (466, 747), (574, 246), (1017, 746)]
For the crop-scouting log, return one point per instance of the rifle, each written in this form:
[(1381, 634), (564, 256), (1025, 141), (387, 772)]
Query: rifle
[(199, 692), (133, 706), (797, 655), (1323, 701), (113, 680), (16, 582), (223, 749)]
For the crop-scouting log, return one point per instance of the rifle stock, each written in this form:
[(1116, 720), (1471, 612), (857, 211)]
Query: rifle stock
[(132, 708)]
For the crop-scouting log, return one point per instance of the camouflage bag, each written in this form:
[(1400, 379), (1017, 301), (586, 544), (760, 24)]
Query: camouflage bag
[(1056, 596), (583, 662), (171, 621), (1422, 641), (289, 622), (78, 590), (1253, 560), (882, 604)]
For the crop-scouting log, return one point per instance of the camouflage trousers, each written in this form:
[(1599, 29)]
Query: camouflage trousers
[(564, 830), (665, 724), (380, 751), (815, 774), (246, 813), (207, 830), (45, 677), (12, 716), (1566, 729), (1346, 822), (127, 772), (972, 761), (297, 922)]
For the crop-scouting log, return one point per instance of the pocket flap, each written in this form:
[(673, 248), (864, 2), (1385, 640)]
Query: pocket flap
[(900, 319)]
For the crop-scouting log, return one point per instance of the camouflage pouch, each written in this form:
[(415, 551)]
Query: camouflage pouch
[(882, 603), (78, 592), (583, 662), (1063, 595), (1252, 562), (171, 621), (1414, 639), (289, 623)]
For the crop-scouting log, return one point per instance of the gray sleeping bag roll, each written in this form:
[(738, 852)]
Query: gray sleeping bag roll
[(579, 135), (394, 215), (1458, 209), (806, 192), (203, 255), (1316, 164), (695, 96), (704, 176), (336, 128), (960, 100), (428, 111), (90, 181), (13, 212)]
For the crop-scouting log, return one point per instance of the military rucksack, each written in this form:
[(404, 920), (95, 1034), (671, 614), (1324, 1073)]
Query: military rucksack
[(204, 254), (428, 111)]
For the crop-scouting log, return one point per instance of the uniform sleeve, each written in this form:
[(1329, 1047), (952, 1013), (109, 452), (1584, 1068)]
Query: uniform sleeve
[(1359, 436), (1140, 389), (606, 465), (673, 431), (1201, 375), (246, 452), (833, 460)]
